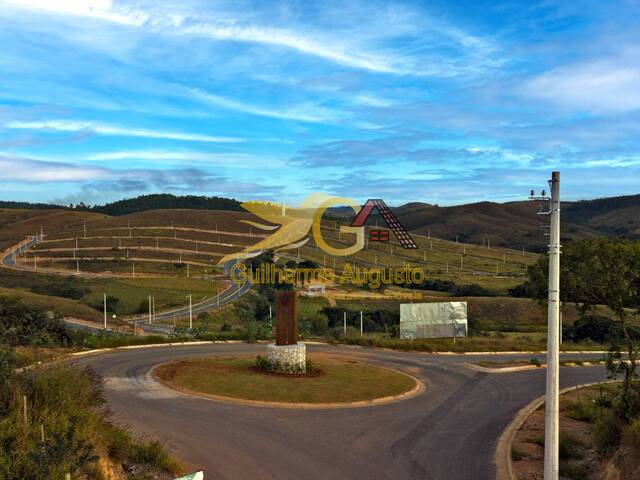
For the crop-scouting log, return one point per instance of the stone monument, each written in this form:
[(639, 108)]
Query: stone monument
[(287, 355)]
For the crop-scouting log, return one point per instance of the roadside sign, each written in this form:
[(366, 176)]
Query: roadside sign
[(193, 476)]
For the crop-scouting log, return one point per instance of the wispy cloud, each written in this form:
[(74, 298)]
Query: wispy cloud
[(114, 130), (33, 170), (601, 86), (98, 9), (367, 52), (304, 113), (236, 160)]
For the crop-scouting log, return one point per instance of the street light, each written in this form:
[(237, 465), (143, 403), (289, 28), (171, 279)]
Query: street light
[(190, 312)]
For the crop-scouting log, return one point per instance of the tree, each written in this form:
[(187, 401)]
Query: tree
[(601, 272)]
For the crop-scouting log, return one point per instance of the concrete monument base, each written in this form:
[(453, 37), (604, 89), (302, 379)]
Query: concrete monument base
[(288, 358)]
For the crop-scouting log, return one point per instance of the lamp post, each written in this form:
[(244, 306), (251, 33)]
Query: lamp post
[(190, 311)]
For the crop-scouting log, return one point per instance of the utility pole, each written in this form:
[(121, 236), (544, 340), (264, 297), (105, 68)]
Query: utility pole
[(150, 314), (361, 329), (552, 402), (187, 270), (133, 269), (190, 312), (85, 229), (105, 310), (552, 421)]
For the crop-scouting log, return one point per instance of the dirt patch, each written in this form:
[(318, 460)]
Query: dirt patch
[(577, 456)]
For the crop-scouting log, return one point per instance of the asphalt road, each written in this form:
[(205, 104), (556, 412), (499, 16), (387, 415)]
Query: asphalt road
[(448, 432), (229, 295)]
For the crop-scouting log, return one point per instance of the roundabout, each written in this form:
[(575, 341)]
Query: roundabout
[(449, 430), (335, 382)]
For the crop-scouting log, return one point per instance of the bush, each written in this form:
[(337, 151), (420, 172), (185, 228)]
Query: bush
[(607, 434), (569, 447), (24, 325), (593, 327), (573, 471), (582, 410), (67, 403), (319, 323)]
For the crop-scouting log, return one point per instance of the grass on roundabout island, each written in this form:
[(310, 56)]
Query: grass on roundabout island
[(236, 377)]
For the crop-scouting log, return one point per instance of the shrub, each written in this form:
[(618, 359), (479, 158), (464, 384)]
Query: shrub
[(573, 471), (516, 455), (22, 324), (568, 447), (592, 327), (319, 323), (582, 410), (607, 434)]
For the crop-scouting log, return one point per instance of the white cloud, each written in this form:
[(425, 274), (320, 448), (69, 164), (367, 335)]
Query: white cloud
[(360, 46), (104, 129), (304, 113), (601, 86), (99, 9), (616, 162), (30, 170), (372, 101), (237, 160)]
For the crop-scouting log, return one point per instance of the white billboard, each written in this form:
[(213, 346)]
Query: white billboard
[(433, 320)]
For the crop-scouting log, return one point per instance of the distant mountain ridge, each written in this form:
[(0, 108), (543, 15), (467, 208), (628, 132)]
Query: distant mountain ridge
[(156, 201), (512, 224)]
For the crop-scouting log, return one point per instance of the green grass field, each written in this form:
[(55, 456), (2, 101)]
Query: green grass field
[(343, 381)]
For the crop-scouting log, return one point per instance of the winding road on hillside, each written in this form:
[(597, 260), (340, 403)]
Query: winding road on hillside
[(230, 294), (447, 432)]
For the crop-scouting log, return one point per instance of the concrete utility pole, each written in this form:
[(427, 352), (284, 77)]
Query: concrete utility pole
[(361, 329), (150, 314), (552, 401), (190, 312), (552, 420), (105, 310), (344, 320)]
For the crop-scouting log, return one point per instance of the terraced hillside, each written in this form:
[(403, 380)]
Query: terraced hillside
[(170, 254)]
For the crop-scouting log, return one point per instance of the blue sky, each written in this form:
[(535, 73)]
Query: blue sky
[(440, 102)]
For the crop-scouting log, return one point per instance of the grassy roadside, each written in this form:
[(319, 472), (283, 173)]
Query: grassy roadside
[(52, 417), (520, 343), (594, 443), (66, 429)]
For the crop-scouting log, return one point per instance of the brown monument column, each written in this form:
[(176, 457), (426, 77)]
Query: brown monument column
[(287, 355), (287, 318)]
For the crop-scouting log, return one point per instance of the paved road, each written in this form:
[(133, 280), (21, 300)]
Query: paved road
[(448, 432), (229, 295)]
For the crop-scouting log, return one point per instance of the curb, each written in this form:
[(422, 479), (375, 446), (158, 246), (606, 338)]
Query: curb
[(520, 368), (152, 345), (503, 462)]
